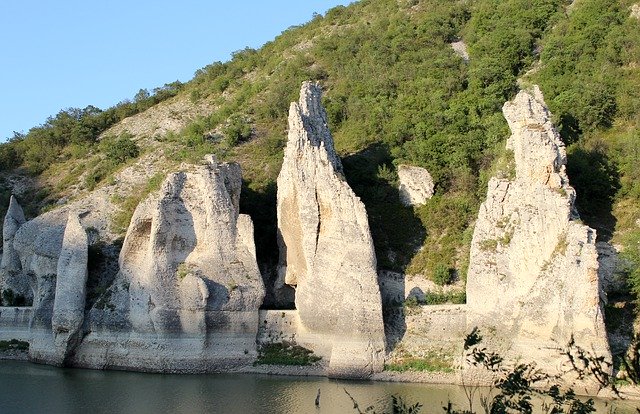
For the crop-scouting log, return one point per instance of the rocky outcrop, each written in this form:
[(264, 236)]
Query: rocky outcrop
[(11, 276), (189, 288), (533, 276), (70, 294), (326, 250), (416, 185), (635, 11), (460, 49)]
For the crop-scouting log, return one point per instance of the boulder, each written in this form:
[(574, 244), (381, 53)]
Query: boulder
[(533, 279), (416, 185), (326, 250), (635, 11), (460, 48)]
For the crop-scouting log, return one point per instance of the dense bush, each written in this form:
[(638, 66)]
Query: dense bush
[(121, 149)]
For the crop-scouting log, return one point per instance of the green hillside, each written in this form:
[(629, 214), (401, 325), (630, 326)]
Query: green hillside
[(395, 93)]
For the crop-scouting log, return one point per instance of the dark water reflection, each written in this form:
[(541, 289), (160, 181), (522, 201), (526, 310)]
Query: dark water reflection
[(30, 388)]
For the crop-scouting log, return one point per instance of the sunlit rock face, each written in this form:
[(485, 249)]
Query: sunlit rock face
[(326, 250), (416, 185), (533, 275), (70, 292), (189, 289)]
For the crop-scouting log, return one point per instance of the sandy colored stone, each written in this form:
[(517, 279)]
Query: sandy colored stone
[(326, 250), (460, 49), (416, 185), (533, 274)]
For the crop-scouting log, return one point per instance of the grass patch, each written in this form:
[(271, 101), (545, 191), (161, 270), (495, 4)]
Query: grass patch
[(284, 353), (121, 219), (437, 298), (14, 344), (432, 362)]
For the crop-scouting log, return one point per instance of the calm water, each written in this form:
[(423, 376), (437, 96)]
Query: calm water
[(30, 388)]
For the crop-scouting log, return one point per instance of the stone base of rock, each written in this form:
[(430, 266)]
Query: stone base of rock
[(232, 345), (14, 323)]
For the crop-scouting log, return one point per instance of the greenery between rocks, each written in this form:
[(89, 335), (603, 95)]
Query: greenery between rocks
[(14, 344), (121, 219), (285, 353), (432, 362)]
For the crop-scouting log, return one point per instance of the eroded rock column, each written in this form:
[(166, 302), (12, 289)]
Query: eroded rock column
[(533, 275), (70, 295), (11, 276), (326, 250)]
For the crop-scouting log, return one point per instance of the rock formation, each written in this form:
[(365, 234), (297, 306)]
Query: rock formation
[(38, 244), (326, 250), (189, 281), (533, 276), (68, 305), (460, 49), (11, 276), (416, 185), (635, 11)]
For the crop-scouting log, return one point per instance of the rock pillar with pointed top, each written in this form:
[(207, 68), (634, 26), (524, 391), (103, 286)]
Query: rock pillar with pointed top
[(533, 281), (326, 250)]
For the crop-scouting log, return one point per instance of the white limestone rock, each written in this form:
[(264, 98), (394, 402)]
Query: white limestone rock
[(70, 294), (11, 276), (460, 49), (416, 185), (326, 250), (187, 295), (635, 11), (533, 275)]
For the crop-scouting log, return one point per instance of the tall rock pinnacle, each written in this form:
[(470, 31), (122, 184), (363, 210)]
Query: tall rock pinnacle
[(533, 275), (326, 250)]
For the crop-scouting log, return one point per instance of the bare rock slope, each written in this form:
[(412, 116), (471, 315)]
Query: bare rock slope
[(326, 250), (533, 277)]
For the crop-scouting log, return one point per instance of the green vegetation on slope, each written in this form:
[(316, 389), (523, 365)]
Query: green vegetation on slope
[(396, 93), (590, 75)]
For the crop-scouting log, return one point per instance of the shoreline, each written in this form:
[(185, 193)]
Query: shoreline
[(627, 392)]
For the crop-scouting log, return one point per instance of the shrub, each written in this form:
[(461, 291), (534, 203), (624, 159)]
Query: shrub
[(442, 275), (236, 130), (121, 149), (14, 344), (285, 353)]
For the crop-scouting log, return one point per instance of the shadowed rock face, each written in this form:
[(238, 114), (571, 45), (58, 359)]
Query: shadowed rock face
[(533, 275), (326, 250), (10, 268), (188, 252), (68, 305)]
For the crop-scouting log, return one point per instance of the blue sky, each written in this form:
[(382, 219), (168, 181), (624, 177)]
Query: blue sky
[(71, 53)]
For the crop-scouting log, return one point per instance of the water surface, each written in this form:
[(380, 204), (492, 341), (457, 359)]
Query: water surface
[(31, 388)]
